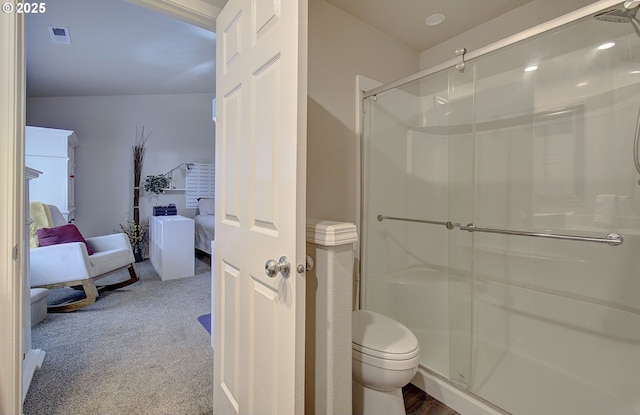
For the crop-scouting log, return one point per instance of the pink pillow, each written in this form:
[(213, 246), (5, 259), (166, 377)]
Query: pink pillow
[(61, 235)]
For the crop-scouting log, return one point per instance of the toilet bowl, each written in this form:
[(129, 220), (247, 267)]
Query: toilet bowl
[(385, 358)]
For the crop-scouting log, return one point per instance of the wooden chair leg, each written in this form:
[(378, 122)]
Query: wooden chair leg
[(91, 293), (133, 278)]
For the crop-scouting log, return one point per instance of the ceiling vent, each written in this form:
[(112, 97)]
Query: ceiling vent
[(59, 35)]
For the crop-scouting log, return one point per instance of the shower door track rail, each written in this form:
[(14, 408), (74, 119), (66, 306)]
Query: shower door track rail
[(613, 239), (536, 30)]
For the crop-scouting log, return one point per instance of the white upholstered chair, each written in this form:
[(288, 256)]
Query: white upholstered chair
[(70, 265)]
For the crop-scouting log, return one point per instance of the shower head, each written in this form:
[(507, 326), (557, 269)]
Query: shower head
[(621, 16)]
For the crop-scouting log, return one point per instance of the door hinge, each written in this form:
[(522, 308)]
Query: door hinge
[(15, 252)]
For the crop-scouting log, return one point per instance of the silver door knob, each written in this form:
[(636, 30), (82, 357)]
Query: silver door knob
[(271, 267)]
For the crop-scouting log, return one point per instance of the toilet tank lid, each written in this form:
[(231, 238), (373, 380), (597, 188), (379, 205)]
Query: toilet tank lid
[(378, 332)]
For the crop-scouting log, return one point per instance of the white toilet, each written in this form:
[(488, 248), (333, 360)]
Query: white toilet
[(385, 358)]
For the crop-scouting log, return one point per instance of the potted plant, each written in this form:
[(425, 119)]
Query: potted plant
[(137, 234), (156, 184)]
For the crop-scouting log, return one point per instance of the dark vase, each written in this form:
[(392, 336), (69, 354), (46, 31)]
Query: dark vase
[(138, 253)]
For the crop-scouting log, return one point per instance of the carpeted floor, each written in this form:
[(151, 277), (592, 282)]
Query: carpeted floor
[(137, 350), (140, 350)]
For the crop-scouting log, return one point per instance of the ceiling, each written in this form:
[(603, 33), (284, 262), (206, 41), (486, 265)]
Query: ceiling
[(405, 19), (118, 48)]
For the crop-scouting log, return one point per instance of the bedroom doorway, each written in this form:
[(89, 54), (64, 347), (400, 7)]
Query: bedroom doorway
[(174, 12)]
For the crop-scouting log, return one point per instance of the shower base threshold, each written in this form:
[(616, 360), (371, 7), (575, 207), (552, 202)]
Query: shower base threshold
[(460, 401)]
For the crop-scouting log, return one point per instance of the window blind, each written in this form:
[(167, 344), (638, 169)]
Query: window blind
[(200, 183)]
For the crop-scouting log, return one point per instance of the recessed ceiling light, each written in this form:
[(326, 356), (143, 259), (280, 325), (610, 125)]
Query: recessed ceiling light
[(634, 72), (582, 84), (435, 19), (530, 68), (606, 45)]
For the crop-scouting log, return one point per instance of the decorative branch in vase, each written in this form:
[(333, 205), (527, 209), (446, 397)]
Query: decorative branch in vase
[(136, 231), (138, 158)]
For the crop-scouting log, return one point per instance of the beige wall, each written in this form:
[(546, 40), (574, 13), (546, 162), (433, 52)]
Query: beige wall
[(340, 47), (182, 131), (515, 21)]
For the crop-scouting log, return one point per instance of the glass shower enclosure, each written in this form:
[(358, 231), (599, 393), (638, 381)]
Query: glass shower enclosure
[(501, 218)]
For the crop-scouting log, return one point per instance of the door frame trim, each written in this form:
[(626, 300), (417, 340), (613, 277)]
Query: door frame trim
[(12, 123)]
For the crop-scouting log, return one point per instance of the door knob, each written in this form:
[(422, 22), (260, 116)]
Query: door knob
[(271, 267)]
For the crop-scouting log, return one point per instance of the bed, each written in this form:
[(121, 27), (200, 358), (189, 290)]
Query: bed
[(204, 225)]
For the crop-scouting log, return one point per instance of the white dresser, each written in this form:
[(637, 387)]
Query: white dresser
[(171, 245), (52, 152)]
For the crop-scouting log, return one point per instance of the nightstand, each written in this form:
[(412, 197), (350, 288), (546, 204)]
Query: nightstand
[(171, 245)]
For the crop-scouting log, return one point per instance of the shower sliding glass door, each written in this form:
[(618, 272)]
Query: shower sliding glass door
[(508, 240), (415, 136)]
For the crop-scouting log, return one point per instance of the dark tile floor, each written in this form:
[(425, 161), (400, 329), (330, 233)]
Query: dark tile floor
[(417, 402)]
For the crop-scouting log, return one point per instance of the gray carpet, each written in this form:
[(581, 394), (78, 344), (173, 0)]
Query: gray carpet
[(137, 350)]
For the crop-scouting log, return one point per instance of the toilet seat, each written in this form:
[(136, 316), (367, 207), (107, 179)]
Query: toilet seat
[(383, 342), (381, 354), (405, 364)]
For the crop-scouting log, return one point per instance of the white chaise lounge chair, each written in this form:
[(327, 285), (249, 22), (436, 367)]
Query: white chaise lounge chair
[(70, 265)]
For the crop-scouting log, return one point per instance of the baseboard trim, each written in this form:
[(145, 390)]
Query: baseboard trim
[(32, 362)]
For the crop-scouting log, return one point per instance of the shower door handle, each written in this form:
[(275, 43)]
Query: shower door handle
[(272, 268)]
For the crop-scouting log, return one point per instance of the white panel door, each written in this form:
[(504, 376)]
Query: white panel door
[(260, 207)]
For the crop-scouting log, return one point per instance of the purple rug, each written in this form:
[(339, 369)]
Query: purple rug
[(205, 320)]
